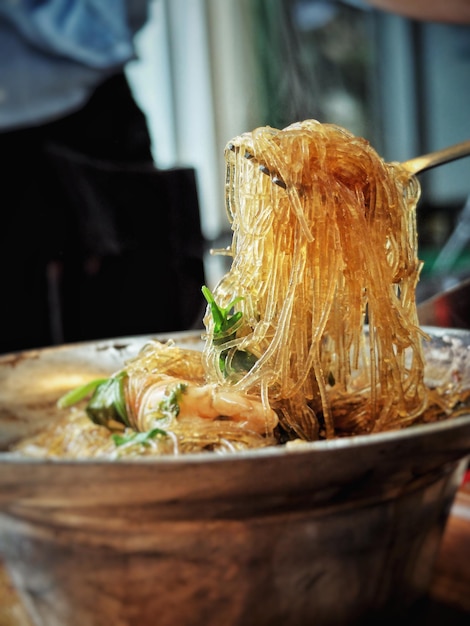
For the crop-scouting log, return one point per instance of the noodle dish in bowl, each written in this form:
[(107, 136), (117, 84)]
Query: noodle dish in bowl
[(305, 446)]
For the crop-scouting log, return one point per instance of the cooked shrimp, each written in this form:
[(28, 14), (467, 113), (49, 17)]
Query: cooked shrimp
[(172, 397)]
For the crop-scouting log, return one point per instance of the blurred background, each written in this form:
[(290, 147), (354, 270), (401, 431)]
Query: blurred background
[(113, 195), (211, 69)]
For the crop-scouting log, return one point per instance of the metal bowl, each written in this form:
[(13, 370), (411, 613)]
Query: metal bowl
[(332, 532)]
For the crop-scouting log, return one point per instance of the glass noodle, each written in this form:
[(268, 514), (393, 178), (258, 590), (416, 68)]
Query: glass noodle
[(312, 258)]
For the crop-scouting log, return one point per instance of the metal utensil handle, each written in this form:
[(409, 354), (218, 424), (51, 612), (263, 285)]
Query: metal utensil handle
[(427, 161)]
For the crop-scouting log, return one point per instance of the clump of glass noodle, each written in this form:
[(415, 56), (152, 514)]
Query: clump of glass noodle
[(313, 332), (325, 240)]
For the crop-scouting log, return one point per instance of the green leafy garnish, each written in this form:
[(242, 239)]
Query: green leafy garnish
[(242, 361), (108, 402), (226, 324), (224, 320), (170, 405), (79, 393), (142, 438)]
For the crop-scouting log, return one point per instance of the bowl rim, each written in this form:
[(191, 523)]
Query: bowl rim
[(325, 446)]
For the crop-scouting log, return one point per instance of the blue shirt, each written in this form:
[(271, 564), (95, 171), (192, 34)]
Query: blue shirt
[(54, 53)]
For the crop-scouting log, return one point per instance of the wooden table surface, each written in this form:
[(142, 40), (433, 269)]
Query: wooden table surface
[(450, 592), (448, 604)]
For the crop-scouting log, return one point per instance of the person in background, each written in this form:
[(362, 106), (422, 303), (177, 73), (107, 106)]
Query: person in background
[(445, 11), (77, 176)]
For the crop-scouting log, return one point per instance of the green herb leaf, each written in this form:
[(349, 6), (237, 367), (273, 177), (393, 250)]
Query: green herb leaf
[(243, 361), (108, 402), (170, 405), (224, 319), (79, 393), (226, 324), (138, 437)]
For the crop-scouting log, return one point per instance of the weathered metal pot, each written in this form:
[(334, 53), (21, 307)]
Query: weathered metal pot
[(337, 532)]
